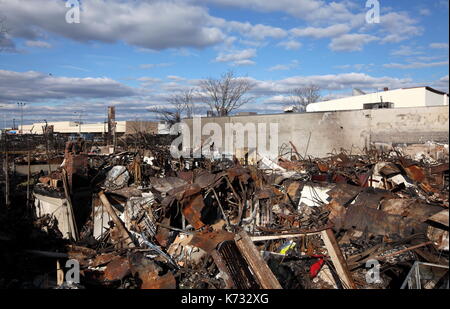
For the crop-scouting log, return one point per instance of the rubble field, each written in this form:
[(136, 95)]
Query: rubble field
[(142, 220)]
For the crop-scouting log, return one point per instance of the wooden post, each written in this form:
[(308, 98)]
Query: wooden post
[(126, 238), (28, 178), (337, 258), (259, 267), (7, 180), (69, 205), (59, 274)]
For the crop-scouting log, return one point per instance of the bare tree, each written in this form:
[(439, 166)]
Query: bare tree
[(225, 94), (303, 96), (180, 105)]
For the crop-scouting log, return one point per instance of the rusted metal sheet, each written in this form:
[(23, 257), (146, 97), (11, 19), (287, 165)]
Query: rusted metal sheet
[(205, 179), (322, 167), (103, 259), (117, 269), (379, 222), (437, 169), (208, 241), (162, 234), (187, 176), (411, 208), (153, 281), (166, 184), (344, 193), (415, 173), (149, 273), (192, 211), (242, 173), (440, 217)]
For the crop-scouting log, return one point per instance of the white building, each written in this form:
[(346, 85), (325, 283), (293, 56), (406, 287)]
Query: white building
[(404, 97), (72, 127)]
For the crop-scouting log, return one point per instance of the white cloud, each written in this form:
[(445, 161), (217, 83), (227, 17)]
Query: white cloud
[(244, 62), (241, 57), (154, 25), (146, 81), (257, 32), (331, 31), (40, 44), (439, 45), (310, 10), (283, 67), (398, 26), (442, 84), (290, 45), (35, 86), (155, 65), (356, 67), (351, 42), (176, 78), (415, 65), (425, 12), (405, 51)]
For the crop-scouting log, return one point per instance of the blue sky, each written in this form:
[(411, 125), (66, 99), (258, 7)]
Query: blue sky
[(135, 54)]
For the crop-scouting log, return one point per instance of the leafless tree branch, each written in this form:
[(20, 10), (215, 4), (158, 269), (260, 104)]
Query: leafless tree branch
[(180, 105), (226, 94), (303, 96)]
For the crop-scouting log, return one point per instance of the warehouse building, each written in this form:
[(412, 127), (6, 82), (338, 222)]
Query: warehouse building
[(73, 127), (404, 97)]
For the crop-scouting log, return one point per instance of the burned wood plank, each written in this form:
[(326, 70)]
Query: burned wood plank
[(125, 236), (259, 267), (337, 258)]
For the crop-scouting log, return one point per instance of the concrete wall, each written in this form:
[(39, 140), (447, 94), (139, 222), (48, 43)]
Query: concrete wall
[(321, 133), (411, 97)]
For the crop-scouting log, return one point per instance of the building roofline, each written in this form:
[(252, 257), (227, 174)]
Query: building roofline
[(429, 89)]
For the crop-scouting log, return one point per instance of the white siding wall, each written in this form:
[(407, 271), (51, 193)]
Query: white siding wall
[(413, 97)]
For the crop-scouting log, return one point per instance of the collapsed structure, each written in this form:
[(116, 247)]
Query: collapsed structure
[(140, 219)]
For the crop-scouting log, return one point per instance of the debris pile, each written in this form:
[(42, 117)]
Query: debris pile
[(141, 220)]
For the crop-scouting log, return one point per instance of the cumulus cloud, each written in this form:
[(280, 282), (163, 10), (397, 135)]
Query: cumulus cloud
[(155, 65), (442, 84), (155, 25), (290, 45), (91, 95), (356, 66), (40, 44), (283, 67), (34, 86), (330, 82), (415, 65), (242, 57), (351, 42), (331, 31), (425, 12), (257, 32), (439, 45), (310, 10), (406, 51), (398, 26)]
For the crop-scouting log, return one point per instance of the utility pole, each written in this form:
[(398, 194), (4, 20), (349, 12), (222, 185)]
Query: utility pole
[(21, 105), (80, 114)]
